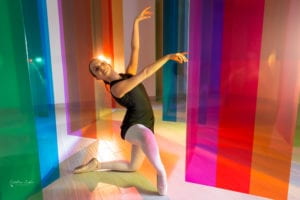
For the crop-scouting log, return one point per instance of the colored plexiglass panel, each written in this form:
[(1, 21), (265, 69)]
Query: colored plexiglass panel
[(170, 69), (38, 52), (243, 100), (174, 75), (19, 164), (77, 47), (102, 36), (277, 103), (241, 40), (203, 90)]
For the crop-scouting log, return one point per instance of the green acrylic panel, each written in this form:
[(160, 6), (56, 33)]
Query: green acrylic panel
[(19, 165)]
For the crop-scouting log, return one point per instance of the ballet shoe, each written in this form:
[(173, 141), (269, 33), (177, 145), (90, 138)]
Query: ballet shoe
[(92, 165), (162, 185)]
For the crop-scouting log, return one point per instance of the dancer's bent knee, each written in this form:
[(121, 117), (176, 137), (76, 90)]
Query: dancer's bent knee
[(139, 134)]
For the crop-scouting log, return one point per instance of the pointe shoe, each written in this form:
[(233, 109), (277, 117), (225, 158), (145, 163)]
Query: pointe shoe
[(92, 165), (162, 185)]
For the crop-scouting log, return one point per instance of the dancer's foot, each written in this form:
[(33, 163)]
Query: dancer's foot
[(92, 165), (162, 184)]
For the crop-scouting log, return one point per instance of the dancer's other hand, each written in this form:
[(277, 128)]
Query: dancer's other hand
[(144, 14), (179, 57)]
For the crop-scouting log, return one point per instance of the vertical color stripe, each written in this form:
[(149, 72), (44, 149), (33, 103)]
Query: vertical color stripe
[(275, 128), (159, 46), (239, 80), (19, 165), (204, 86), (117, 35), (183, 8), (76, 25), (193, 160), (102, 44), (268, 102), (36, 28), (170, 45)]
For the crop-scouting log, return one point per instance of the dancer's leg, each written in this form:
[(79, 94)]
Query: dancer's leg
[(143, 137), (137, 158)]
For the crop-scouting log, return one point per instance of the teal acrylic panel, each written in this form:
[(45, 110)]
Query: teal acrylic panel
[(170, 45), (183, 18), (175, 30)]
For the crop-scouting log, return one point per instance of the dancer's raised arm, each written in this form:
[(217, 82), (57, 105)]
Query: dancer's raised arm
[(135, 41), (121, 88)]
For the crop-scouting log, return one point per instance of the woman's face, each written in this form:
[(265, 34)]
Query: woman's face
[(101, 69)]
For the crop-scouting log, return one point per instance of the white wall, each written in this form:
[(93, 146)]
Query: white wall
[(55, 48), (131, 9)]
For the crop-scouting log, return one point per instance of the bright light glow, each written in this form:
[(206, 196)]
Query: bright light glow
[(38, 59), (104, 59)]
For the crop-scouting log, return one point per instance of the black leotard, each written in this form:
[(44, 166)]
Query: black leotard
[(139, 109)]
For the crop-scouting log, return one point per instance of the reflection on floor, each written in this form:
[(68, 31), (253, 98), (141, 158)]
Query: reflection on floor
[(103, 185)]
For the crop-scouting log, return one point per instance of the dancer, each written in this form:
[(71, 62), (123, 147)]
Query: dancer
[(138, 124)]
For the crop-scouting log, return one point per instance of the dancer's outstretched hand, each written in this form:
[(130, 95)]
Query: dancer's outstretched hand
[(179, 57), (145, 14)]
